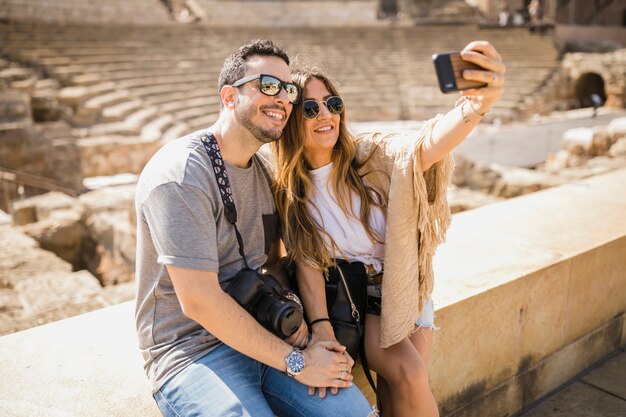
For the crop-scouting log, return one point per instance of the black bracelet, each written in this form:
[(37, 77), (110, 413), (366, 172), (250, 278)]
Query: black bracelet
[(318, 320)]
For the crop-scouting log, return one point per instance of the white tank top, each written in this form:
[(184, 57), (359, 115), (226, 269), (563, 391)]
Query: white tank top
[(346, 229)]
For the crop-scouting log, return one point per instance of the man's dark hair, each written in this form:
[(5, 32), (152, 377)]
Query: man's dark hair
[(235, 65)]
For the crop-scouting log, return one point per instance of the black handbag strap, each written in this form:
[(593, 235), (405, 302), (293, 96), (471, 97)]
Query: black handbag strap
[(221, 177), (357, 318)]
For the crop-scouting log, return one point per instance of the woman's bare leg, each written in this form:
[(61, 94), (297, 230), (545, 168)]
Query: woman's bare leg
[(405, 372), (384, 396), (422, 340)]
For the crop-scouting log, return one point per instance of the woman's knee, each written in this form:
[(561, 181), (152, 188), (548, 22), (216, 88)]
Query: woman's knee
[(409, 375)]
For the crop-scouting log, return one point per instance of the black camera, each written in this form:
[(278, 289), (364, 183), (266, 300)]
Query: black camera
[(264, 298)]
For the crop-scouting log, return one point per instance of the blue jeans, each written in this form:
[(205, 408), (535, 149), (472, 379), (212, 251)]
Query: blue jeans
[(226, 383)]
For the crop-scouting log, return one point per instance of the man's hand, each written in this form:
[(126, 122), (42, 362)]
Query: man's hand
[(326, 366), (300, 338)]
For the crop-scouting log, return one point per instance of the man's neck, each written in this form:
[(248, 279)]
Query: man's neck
[(237, 144)]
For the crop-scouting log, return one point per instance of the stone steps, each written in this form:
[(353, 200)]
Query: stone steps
[(172, 101), (131, 125), (153, 131), (114, 154), (157, 89), (201, 122), (176, 131), (119, 111)]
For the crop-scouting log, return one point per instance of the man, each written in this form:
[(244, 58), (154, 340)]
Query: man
[(204, 354)]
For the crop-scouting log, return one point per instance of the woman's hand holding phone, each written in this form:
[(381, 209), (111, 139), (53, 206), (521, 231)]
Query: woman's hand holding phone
[(492, 72), (477, 72)]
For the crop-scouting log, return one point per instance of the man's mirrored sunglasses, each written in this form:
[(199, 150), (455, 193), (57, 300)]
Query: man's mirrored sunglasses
[(334, 105), (271, 86)]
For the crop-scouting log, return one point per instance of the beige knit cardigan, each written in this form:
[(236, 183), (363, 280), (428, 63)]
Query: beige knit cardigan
[(417, 219)]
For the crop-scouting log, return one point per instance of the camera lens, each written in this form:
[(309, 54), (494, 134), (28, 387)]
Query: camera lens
[(280, 316), (290, 321)]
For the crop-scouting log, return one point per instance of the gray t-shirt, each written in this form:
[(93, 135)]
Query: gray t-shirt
[(181, 222)]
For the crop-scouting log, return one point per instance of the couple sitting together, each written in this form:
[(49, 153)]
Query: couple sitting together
[(218, 338)]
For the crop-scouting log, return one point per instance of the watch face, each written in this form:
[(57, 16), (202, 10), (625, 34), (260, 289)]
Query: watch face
[(295, 362)]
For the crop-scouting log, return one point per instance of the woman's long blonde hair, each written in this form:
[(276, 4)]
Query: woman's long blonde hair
[(301, 233)]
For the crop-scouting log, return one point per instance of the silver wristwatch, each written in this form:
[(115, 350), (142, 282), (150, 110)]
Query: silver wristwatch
[(295, 362)]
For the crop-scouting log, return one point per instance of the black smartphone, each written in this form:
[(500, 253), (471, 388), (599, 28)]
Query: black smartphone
[(449, 67)]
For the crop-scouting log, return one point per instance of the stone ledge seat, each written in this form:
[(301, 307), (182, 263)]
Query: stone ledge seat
[(529, 292)]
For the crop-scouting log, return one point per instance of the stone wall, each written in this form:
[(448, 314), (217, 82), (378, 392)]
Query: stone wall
[(610, 66), (519, 306), (577, 38), (37, 287), (37, 150), (292, 14), (440, 11), (95, 231), (86, 11), (582, 12), (562, 89)]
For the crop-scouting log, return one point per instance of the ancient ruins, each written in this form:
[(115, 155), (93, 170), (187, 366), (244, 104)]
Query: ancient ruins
[(83, 107), (90, 90)]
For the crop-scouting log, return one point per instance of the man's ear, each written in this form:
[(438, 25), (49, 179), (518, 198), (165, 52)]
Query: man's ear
[(228, 95)]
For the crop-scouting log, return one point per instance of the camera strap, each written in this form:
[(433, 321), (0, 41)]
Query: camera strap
[(221, 177)]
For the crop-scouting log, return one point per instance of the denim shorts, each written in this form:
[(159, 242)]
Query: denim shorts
[(374, 305), (227, 383)]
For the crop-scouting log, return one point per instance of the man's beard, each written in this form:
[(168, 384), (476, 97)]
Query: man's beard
[(244, 116)]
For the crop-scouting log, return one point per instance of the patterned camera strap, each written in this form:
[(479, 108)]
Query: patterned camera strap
[(221, 176)]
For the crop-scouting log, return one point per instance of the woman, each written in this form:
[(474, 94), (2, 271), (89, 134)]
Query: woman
[(379, 200)]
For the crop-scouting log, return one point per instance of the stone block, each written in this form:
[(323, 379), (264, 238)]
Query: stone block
[(114, 260), (618, 149), (565, 364), (617, 128), (461, 199), (27, 85), (514, 182), (474, 175), (503, 400), (45, 106), (24, 215), (9, 301), (15, 110), (109, 198), (47, 84), (460, 372), (21, 258), (514, 321), (49, 203), (562, 159), (119, 293), (597, 289), (50, 291), (91, 366), (543, 312), (72, 96), (587, 141), (578, 141), (63, 233), (16, 74)]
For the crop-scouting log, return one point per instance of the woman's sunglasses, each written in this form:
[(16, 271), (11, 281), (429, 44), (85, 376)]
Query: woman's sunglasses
[(334, 105), (271, 86)]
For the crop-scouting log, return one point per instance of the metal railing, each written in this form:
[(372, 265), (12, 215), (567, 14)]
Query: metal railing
[(11, 176)]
